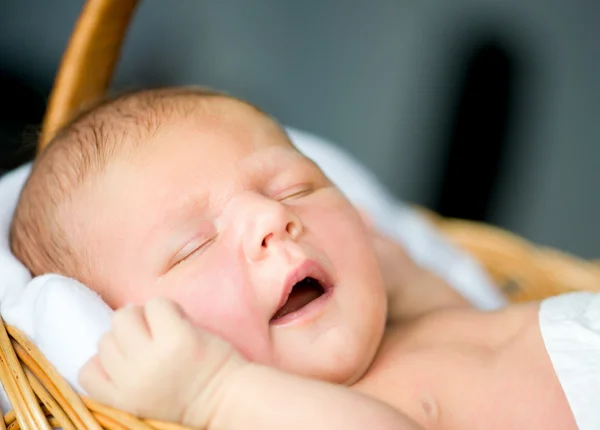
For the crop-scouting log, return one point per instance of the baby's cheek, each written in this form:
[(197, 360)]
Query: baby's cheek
[(217, 298), (207, 292), (339, 229)]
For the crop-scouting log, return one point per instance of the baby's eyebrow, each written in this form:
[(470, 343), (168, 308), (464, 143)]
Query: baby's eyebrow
[(181, 210), (278, 161), (190, 206)]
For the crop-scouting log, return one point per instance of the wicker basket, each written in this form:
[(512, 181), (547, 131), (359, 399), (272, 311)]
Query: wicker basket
[(41, 398)]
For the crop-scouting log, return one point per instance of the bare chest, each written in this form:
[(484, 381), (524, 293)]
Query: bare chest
[(444, 378)]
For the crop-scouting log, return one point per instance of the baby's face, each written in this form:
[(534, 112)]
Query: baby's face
[(222, 215)]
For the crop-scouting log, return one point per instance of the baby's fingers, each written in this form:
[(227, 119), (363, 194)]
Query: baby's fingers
[(111, 359), (96, 383), (166, 320), (131, 331)]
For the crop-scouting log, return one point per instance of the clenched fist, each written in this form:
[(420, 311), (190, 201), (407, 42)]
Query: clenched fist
[(155, 364)]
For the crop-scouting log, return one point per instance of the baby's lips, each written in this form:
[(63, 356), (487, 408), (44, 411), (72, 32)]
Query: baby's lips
[(307, 269)]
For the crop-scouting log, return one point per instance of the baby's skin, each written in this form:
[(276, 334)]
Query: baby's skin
[(449, 368), (249, 293)]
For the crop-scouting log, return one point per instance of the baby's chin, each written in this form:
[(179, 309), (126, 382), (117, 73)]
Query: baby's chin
[(345, 371), (342, 362)]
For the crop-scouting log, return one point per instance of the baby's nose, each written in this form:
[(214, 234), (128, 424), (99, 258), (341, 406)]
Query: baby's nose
[(270, 222), (292, 230)]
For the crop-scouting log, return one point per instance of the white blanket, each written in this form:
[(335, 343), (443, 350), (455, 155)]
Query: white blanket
[(65, 319)]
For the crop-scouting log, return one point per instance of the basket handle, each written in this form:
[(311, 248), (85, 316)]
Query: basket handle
[(88, 63)]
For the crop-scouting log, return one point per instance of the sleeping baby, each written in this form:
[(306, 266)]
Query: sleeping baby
[(249, 293)]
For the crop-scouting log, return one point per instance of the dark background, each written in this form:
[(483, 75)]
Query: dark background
[(481, 109)]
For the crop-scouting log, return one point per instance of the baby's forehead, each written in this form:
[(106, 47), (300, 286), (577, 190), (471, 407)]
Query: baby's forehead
[(142, 116), (133, 127), (217, 136), (217, 115)]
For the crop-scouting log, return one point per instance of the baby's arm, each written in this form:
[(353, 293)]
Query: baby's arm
[(271, 399), (155, 364)]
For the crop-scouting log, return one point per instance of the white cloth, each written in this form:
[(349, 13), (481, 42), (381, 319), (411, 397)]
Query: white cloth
[(570, 327), (65, 319)]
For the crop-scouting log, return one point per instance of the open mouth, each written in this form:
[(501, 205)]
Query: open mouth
[(302, 293)]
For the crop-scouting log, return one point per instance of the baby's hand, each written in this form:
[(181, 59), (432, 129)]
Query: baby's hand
[(155, 364)]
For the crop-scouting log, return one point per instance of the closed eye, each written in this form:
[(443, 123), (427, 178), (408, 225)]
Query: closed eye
[(190, 250), (297, 193)]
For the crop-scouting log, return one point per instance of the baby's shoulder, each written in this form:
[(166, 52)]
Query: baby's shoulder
[(422, 362), (452, 327)]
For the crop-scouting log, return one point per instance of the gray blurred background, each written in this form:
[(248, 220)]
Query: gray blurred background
[(482, 109)]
